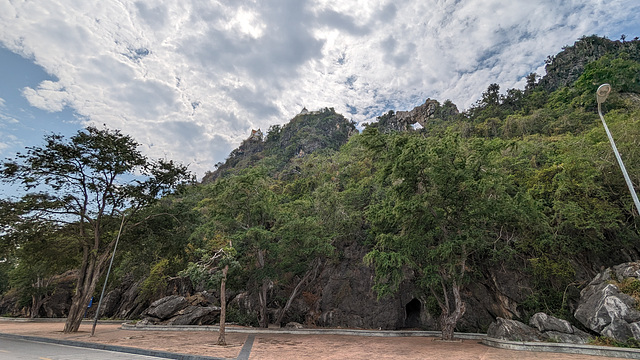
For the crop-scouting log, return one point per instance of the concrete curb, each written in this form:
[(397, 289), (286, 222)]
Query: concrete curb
[(353, 332), (121, 349), (607, 351)]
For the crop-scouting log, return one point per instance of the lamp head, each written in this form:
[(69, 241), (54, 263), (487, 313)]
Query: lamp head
[(602, 93)]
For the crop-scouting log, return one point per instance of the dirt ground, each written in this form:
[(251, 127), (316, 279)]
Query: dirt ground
[(283, 346)]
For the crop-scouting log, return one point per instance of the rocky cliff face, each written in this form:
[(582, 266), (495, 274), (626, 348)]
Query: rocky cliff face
[(304, 134), (422, 114), (345, 297), (342, 296), (567, 66)]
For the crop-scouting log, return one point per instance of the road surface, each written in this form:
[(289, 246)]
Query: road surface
[(13, 349)]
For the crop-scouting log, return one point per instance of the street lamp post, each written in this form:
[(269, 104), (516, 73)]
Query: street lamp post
[(104, 286), (601, 95)]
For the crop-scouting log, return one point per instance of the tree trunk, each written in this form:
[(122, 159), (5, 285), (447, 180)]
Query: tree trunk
[(36, 299), (296, 290), (263, 318), (93, 263), (36, 304), (262, 297), (449, 320), (79, 303), (223, 307), (87, 281)]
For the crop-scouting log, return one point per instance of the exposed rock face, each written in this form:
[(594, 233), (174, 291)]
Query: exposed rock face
[(420, 114), (543, 328), (565, 68), (578, 337), (497, 295), (304, 134), (604, 309), (342, 296), (58, 303), (347, 300), (125, 302), (195, 315), (402, 120), (9, 305), (162, 309), (544, 322), (178, 310), (513, 330), (558, 329)]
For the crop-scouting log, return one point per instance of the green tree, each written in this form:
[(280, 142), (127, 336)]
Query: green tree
[(447, 209), (87, 181), (213, 267), (41, 251), (243, 207), (303, 242)]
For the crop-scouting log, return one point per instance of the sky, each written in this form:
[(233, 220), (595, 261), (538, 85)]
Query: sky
[(189, 79)]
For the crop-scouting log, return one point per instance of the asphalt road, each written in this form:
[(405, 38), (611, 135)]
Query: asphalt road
[(11, 349)]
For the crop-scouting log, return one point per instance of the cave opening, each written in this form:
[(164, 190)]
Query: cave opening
[(412, 309)]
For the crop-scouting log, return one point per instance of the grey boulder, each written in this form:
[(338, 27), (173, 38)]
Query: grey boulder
[(164, 308), (513, 330), (607, 311), (558, 330), (544, 322), (195, 315)]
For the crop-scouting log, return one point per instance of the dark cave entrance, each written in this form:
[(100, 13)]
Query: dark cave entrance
[(413, 314)]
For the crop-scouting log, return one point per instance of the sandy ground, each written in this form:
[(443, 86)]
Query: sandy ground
[(283, 346)]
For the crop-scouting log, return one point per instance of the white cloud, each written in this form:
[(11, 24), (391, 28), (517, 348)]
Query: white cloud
[(189, 79), (50, 96)]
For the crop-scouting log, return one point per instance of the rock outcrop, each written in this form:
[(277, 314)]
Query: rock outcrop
[(558, 330), (605, 309), (178, 310), (58, 303), (342, 296), (567, 66), (513, 330), (125, 302), (543, 328), (164, 308), (420, 114)]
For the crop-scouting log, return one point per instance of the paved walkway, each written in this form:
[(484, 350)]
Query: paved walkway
[(275, 346)]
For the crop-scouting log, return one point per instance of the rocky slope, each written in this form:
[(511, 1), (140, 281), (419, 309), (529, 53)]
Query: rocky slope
[(306, 133)]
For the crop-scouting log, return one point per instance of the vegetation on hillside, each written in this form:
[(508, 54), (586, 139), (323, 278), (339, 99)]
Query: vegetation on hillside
[(523, 180)]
